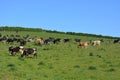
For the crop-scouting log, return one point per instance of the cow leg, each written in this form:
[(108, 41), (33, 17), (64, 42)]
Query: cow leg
[(12, 53), (35, 55), (22, 55)]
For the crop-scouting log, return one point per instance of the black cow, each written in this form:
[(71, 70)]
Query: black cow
[(116, 41), (29, 51), (66, 40), (56, 41), (77, 40), (10, 40), (14, 50)]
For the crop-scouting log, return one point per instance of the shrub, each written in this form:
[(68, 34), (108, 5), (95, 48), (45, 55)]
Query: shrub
[(90, 54), (76, 66), (41, 63), (12, 67), (92, 68), (111, 70)]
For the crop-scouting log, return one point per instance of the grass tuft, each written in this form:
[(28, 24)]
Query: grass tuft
[(12, 67), (90, 54), (76, 66), (92, 68), (41, 63), (111, 70)]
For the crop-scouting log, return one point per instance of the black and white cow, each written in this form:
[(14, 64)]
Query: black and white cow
[(14, 50), (22, 42), (29, 51), (10, 40)]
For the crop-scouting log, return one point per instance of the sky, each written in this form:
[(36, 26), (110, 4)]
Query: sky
[(100, 17)]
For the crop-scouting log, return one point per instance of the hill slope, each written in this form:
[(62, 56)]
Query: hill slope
[(62, 61)]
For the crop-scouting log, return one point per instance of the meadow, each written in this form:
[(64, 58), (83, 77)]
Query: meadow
[(63, 61)]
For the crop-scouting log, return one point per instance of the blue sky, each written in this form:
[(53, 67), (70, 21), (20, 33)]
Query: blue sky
[(86, 16)]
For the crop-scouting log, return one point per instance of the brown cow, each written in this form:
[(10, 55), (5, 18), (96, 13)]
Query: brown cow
[(40, 41), (83, 44)]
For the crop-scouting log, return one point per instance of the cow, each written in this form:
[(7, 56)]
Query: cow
[(3, 39), (56, 41), (40, 41), (22, 42), (116, 41), (47, 41), (28, 51), (66, 40), (14, 50), (97, 42), (77, 40), (83, 44), (10, 40)]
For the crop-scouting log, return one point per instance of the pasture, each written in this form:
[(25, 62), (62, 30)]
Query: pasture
[(62, 61)]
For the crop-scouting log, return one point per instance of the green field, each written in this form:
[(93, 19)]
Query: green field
[(63, 61)]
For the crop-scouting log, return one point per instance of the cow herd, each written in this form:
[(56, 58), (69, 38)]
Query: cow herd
[(41, 41)]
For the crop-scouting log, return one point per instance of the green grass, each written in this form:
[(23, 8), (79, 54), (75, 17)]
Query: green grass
[(61, 62)]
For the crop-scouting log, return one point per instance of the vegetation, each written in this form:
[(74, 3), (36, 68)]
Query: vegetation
[(63, 61), (7, 28)]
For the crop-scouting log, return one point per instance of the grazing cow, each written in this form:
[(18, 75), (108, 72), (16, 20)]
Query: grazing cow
[(28, 51), (22, 42), (3, 39), (14, 50), (40, 41), (66, 40), (10, 40), (77, 40), (47, 41), (116, 41), (83, 44), (97, 42), (56, 41)]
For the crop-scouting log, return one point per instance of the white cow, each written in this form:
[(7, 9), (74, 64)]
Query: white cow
[(97, 42)]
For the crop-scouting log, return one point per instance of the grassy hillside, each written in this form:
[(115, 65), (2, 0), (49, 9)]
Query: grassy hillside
[(63, 61)]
